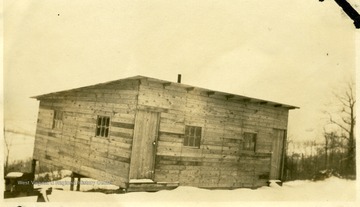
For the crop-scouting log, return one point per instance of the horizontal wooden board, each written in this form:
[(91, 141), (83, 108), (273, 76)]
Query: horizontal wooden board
[(219, 162)]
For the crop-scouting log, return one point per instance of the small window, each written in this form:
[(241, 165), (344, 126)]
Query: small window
[(192, 136), (57, 120), (102, 126), (249, 142)]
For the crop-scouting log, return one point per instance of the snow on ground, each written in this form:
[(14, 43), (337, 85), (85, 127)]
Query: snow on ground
[(86, 184), (141, 181), (14, 174), (331, 189)]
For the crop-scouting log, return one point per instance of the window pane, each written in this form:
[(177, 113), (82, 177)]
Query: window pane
[(102, 131), (198, 132), (254, 142), (187, 132), (99, 121), (57, 120), (186, 140), (192, 136), (192, 129), (246, 143), (102, 126), (197, 143), (107, 121), (102, 121), (249, 142), (97, 131)]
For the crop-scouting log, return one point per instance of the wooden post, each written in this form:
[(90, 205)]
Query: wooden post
[(72, 182), (78, 184), (33, 167)]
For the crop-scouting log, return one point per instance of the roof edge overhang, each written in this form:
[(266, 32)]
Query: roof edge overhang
[(165, 83)]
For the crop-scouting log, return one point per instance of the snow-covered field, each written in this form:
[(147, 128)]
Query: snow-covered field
[(328, 191)]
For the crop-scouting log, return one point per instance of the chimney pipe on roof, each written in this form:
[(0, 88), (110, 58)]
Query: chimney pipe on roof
[(179, 78)]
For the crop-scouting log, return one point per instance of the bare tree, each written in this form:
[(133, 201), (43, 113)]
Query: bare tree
[(333, 150), (326, 150), (8, 145), (345, 120)]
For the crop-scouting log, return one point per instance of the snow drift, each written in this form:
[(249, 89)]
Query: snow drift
[(331, 189)]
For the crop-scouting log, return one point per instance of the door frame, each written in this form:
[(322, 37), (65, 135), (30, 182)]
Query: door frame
[(155, 146), (282, 156), (154, 151)]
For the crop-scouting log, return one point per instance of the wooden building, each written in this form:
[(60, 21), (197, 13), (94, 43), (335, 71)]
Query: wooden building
[(166, 132)]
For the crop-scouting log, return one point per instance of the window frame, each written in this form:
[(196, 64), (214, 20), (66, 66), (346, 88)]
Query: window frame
[(58, 119), (251, 146), (102, 128), (192, 136)]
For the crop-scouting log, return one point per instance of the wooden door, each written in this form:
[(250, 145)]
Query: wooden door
[(277, 154), (144, 145)]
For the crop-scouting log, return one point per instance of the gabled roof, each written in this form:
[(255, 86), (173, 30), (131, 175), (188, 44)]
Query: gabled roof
[(187, 87)]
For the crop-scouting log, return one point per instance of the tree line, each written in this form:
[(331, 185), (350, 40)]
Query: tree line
[(336, 153)]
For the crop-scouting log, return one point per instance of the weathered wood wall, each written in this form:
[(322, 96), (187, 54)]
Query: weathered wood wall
[(75, 146), (218, 162)]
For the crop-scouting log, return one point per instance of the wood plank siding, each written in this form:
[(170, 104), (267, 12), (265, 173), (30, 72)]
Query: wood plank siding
[(74, 146), (235, 150), (218, 162)]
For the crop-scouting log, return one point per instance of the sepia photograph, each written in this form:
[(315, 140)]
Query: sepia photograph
[(173, 103)]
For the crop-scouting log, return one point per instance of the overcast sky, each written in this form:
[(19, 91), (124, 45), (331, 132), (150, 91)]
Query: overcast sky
[(295, 52)]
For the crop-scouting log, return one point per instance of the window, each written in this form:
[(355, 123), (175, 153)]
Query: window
[(192, 136), (249, 142), (102, 126), (57, 120)]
